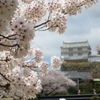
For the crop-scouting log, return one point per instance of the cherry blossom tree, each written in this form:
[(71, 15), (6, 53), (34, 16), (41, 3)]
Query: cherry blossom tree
[(55, 82), (19, 19), (98, 49)]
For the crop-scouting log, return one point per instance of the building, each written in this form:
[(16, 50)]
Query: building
[(78, 76), (94, 58), (77, 51)]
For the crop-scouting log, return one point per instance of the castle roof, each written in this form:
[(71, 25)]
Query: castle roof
[(75, 44), (74, 74)]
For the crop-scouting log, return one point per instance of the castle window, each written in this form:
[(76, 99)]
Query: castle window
[(70, 49), (71, 54), (79, 49), (79, 54)]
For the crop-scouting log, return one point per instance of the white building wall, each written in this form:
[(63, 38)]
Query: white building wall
[(74, 50), (84, 49), (94, 58), (74, 54), (64, 49)]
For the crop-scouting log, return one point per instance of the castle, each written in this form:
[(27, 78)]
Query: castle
[(78, 51)]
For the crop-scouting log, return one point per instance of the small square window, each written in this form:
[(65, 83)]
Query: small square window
[(70, 49), (70, 54), (79, 49), (80, 54)]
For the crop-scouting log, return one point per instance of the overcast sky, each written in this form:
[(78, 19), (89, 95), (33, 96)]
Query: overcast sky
[(81, 27)]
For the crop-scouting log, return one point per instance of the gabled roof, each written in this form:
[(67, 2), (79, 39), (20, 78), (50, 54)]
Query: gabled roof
[(74, 74), (75, 44), (85, 75)]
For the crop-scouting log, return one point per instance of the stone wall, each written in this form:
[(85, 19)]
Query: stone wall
[(92, 67)]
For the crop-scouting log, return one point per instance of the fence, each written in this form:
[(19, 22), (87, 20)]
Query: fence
[(72, 97)]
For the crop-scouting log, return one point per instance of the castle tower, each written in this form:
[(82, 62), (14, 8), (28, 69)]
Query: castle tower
[(75, 50)]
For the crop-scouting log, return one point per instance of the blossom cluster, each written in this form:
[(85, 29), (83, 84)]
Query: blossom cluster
[(43, 68), (98, 47), (58, 21), (55, 62), (38, 61), (4, 65), (7, 8), (54, 5), (23, 29), (32, 11), (71, 7), (24, 32), (21, 81), (37, 54), (58, 9), (23, 84), (55, 79)]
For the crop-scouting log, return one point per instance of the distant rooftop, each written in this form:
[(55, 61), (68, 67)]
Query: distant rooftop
[(75, 44), (85, 75), (74, 74), (91, 56)]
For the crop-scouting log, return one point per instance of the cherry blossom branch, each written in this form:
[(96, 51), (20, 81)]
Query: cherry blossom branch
[(42, 24), (6, 60), (39, 28), (7, 37), (48, 28), (51, 91), (18, 96), (2, 85), (9, 45), (72, 9), (5, 86), (50, 20), (12, 35), (4, 77), (49, 15)]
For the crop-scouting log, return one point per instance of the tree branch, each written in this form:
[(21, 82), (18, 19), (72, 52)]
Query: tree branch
[(7, 37), (9, 45), (4, 77), (42, 24), (12, 35), (72, 9), (39, 28), (6, 60), (5, 86), (47, 94), (47, 28)]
